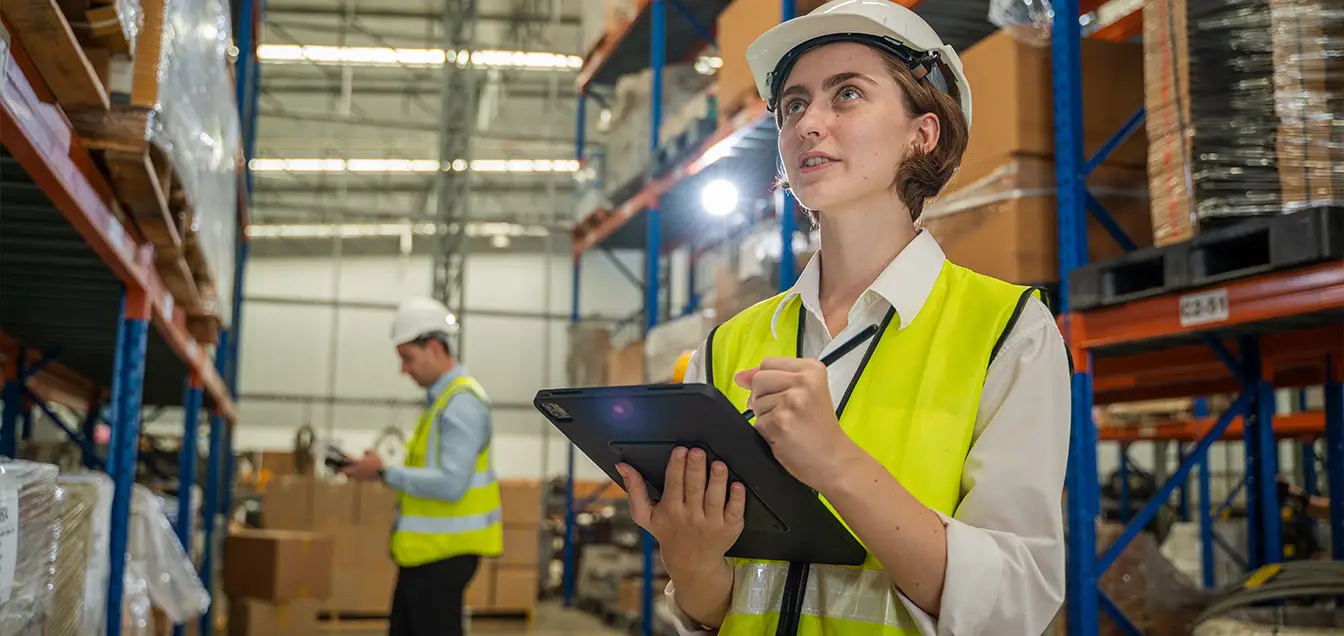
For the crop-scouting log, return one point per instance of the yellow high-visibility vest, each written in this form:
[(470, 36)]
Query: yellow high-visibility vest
[(913, 408), (430, 530)]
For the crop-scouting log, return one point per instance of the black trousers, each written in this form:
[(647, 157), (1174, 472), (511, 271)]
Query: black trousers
[(430, 598)]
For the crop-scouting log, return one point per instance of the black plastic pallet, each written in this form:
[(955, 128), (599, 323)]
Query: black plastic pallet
[(1256, 246)]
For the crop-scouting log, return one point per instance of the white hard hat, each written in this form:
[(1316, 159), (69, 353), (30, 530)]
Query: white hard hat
[(881, 23), (420, 317)]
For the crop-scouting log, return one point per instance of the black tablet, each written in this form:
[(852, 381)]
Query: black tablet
[(640, 425)]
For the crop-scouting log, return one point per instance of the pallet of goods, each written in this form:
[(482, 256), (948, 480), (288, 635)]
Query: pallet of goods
[(148, 88), (1246, 160)]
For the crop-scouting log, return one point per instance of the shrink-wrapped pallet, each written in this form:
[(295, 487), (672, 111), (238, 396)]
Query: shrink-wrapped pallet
[(1243, 99), (30, 515), (89, 502)]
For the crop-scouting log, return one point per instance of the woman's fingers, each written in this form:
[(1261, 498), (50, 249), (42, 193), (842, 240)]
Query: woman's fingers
[(695, 480), (735, 512), (675, 478), (717, 492), (641, 507)]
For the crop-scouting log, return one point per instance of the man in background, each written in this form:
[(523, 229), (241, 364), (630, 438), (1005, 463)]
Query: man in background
[(448, 499)]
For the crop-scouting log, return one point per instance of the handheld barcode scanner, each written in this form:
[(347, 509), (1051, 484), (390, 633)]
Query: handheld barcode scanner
[(335, 459)]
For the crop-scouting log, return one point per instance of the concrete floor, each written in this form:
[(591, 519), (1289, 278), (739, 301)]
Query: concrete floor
[(549, 620)]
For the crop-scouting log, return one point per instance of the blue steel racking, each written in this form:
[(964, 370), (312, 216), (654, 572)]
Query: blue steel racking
[(1274, 359), (79, 288)]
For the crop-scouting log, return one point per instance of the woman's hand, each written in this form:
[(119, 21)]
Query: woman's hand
[(699, 516), (792, 401)]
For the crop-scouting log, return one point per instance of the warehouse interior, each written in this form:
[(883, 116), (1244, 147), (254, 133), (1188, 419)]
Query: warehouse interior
[(212, 212)]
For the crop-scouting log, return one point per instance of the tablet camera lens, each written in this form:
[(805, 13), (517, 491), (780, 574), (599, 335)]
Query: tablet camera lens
[(555, 411)]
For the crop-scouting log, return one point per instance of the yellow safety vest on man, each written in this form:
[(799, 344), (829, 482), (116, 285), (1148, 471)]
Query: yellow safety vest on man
[(430, 530), (913, 408)]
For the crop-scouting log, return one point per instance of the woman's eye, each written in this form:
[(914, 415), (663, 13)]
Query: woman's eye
[(794, 108), (848, 93)]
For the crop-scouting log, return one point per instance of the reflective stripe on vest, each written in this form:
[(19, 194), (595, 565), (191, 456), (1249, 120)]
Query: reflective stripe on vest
[(429, 530), (847, 594), (913, 409)]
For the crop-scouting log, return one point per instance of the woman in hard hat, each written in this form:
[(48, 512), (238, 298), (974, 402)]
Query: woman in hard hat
[(942, 441)]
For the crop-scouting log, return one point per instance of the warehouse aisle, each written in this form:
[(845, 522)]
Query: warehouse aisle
[(550, 620)]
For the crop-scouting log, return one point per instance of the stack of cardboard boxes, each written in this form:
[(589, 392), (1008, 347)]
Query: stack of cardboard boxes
[(276, 580), (357, 521), (998, 216), (738, 26)]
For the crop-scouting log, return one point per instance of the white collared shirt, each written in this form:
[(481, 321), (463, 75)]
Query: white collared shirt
[(1005, 541)]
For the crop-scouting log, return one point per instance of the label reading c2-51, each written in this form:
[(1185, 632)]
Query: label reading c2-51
[(9, 540), (1204, 308)]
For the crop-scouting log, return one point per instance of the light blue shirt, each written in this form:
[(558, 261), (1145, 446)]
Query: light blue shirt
[(464, 430)]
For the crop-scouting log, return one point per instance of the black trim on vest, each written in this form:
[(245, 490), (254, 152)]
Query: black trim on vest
[(863, 364), (1012, 320), (709, 357)]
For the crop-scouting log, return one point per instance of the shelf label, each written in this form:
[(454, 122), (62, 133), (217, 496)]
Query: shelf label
[(1204, 308), (9, 540)]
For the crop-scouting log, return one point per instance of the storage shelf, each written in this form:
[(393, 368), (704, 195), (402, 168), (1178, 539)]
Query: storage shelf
[(66, 258), (626, 49)]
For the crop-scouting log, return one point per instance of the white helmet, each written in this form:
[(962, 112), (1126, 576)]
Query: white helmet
[(420, 317), (881, 23)]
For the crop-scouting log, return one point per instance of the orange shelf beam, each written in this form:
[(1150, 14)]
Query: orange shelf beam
[(41, 139), (1252, 300), (1292, 425)]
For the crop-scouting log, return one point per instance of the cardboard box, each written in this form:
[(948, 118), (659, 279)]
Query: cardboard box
[(740, 23), (278, 462), (481, 590), (374, 544), (1011, 233), (625, 366), (278, 565), (287, 503), (522, 545), (632, 593), (250, 617), (333, 505), (376, 505), (515, 587), (521, 501), (346, 545), (1019, 119)]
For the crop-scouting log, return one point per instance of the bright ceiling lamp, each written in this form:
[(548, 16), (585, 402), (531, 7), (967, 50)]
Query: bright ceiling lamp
[(412, 165), (719, 197), (385, 56)]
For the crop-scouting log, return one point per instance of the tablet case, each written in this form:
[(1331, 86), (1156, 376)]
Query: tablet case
[(785, 520)]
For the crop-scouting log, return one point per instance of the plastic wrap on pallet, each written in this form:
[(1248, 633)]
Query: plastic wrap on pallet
[(93, 492), (171, 580), (114, 27), (30, 517), (73, 535), (197, 127), (1029, 21), (1251, 132)]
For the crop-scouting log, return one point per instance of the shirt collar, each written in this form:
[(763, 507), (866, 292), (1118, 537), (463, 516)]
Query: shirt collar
[(441, 385), (905, 283)]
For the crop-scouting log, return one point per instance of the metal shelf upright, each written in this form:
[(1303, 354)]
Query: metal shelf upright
[(87, 323), (1286, 331)]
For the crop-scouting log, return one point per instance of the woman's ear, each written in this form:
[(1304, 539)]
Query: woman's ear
[(927, 132)]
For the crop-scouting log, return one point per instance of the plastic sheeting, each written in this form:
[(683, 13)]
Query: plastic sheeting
[(196, 126), (30, 516), (156, 556), (1027, 20), (1251, 131), (91, 491)]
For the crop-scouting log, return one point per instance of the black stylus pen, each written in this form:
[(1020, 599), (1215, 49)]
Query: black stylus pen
[(831, 357)]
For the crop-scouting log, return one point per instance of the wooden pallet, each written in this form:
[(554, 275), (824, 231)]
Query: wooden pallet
[(47, 36)]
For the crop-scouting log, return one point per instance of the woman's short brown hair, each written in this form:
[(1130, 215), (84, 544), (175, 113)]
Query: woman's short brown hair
[(922, 175)]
